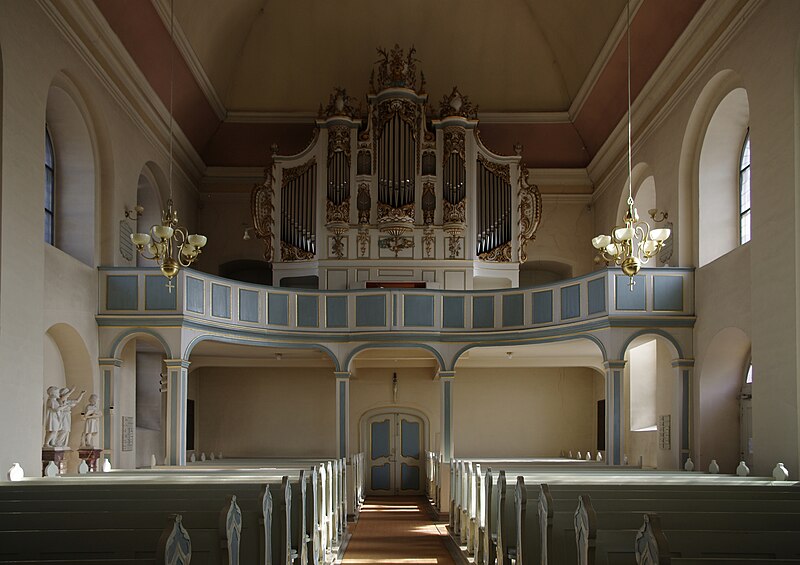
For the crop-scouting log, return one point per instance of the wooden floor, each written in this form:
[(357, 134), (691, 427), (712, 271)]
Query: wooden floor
[(397, 530)]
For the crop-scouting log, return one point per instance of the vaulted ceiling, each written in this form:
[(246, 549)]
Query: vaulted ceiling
[(262, 67)]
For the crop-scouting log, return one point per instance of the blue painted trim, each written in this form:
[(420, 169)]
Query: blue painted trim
[(592, 338), (157, 295), (342, 418), (107, 411), (439, 358), (654, 331), (596, 291), (116, 346), (448, 419), (195, 294), (685, 410), (221, 300), (226, 339), (617, 384), (570, 302), (123, 292)]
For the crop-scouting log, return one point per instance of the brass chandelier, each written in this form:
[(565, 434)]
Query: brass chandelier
[(169, 244), (633, 243)]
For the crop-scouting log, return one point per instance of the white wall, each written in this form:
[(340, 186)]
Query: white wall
[(252, 412), (524, 412)]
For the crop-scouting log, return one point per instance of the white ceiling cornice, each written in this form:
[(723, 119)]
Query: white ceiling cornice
[(85, 28), (603, 57), (716, 23), (192, 61)]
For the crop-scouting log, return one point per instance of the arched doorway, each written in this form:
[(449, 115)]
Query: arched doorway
[(394, 449)]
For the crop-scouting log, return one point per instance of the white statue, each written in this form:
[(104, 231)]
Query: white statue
[(52, 417), (91, 426), (65, 413)]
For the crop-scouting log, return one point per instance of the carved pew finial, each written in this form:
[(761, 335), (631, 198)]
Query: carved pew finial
[(545, 521), (230, 530), (585, 530), (174, 547), (651, 544)]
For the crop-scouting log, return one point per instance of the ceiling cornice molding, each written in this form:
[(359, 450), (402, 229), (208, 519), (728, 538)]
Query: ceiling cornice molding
[(560, 177), (567, 198), (85, 28), (600, 63), (192, 61), (716, 23), (248, 117)]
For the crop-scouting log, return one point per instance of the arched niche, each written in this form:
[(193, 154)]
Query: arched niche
[(76, 170), (720, 379), (703, 233), (67, 364), (644, 192), (149, 197)]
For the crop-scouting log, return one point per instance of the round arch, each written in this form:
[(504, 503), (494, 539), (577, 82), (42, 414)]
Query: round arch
[(367, 414), (644, 191), (655, 332), (589, 337), (239, 341), (150, 188), (119, 343), (76, 370), (720, 379), (78, 159), (395, 345), (687, 227)]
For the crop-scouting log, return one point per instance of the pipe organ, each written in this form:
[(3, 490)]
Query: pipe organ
[(397, 192)]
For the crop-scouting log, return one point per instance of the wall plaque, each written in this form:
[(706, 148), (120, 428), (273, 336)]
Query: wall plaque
[(128, 430)]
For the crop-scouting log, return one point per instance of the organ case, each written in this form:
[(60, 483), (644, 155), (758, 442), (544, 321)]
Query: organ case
[(397, 188)]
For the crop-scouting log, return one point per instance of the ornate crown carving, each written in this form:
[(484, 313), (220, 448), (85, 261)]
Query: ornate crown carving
[(457, 104), (395, 70), (340, 104)]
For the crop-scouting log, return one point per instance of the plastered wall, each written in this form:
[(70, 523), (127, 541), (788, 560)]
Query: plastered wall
[(524, 412), (39, 284), (762, 52), (251, 412)]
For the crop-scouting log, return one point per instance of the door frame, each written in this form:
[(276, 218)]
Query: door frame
[(363, 432)]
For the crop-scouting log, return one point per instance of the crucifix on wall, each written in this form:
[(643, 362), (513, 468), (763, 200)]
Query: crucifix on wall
[(394, 388)]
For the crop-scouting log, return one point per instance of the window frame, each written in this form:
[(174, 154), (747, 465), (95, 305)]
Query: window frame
[(50, 187), (745, 169)]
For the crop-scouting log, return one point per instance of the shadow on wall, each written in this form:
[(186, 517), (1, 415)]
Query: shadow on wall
[(721, 377)]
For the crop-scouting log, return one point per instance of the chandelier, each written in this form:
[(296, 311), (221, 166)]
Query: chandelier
[(633, 243), (168, 244)]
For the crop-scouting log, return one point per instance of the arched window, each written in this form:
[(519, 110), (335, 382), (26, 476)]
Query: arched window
[(746, 417), (49, 189), (744, 191)]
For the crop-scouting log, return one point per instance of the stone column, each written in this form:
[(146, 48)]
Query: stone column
[(447, 379), (342, 413), (177, 394), (683, 426), (615, 411), (110, 432)]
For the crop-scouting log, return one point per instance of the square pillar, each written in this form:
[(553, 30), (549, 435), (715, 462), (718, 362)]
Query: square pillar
[(447, 379), (342, 413), (177, 394), (110, 431), (615, 411), (683, 371)]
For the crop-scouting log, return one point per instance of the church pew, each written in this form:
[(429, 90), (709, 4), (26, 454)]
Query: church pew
[(271, 534), (511, 517), (545, 526)]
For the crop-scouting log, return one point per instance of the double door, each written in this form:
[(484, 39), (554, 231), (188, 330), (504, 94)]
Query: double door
[(395, 446)]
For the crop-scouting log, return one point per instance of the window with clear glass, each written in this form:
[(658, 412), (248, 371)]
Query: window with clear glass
[(744, 191), (748, 379), (49, 189)]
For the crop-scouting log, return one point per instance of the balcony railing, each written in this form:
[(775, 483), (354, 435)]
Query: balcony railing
[(135, 292)]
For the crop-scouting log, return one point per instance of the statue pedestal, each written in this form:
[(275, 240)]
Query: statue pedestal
[(57, 455), (91, 455)]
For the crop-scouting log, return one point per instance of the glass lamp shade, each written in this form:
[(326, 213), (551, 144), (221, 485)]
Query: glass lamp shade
[(163, 232), (623, 234), (612, 249), (188, 250), (140, 239), (649, 247), (197, 240), (601, 241), (659, 234)]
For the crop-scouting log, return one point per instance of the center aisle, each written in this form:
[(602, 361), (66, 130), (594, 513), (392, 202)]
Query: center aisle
[(397, 530)]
